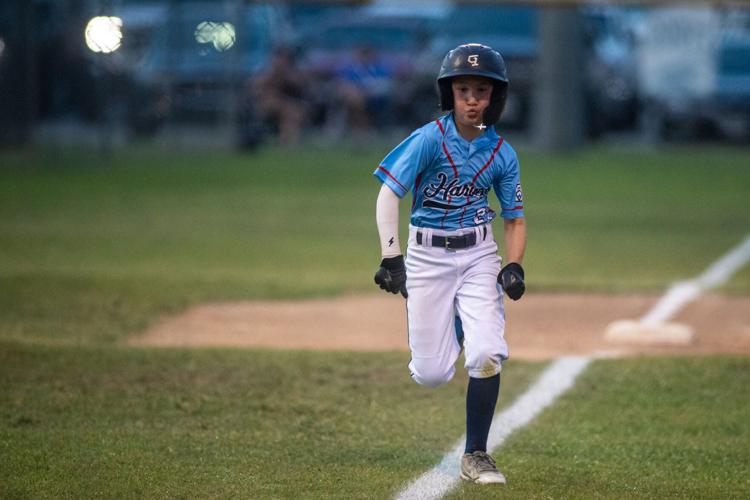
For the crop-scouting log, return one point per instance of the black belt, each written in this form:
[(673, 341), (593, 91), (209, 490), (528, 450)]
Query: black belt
[(453, 242)]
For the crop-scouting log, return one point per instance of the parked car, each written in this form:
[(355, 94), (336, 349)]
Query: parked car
[(723, 113), (611, 81), (140, 22), (700, 93), (304, 15), (199, 60), (730, 103)]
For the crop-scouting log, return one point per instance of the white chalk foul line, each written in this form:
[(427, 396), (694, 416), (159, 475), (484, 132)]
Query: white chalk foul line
[(556, 379), (683, 292)]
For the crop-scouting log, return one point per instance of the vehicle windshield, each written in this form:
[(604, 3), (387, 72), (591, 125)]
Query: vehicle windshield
[(208, 44), (385, 37), (502, 21), (735, 61)]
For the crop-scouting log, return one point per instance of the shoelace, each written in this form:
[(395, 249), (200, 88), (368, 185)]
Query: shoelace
[(483, 461)]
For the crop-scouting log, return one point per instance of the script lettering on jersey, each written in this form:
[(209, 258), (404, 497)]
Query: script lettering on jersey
[(450, 190)]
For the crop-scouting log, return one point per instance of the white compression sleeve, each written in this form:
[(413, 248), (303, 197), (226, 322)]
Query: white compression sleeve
[(386, 215)]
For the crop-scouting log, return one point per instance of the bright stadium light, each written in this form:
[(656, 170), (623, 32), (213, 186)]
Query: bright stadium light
[(104, 34), (204, 32), (224, 36), (221, 35)]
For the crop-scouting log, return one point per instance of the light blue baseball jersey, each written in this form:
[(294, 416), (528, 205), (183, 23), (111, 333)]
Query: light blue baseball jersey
[(450, 177)]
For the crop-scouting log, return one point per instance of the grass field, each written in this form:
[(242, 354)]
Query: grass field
[(94, 249), (121, 423)]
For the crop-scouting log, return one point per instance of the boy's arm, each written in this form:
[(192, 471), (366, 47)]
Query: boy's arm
[(515, 239), (391, 276), (511, 276), (386, 215)]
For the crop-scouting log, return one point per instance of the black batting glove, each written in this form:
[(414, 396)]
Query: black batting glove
[(511, 279), (391, 276)]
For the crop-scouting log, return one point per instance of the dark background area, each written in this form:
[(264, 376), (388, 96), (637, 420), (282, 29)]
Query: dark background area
[(586, 71)]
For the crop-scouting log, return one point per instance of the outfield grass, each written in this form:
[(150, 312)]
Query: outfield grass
[(623, 221), (164, 423), (639, 428), (122, 423), (93, 248)]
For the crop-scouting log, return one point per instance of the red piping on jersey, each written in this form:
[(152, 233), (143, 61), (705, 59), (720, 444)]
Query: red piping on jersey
[(417, 182), (499, 143), (382, 168), (517, 207), (450, 159)]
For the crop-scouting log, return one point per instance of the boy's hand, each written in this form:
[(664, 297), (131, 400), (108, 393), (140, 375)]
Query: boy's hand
[(511, 279), (392, 275)]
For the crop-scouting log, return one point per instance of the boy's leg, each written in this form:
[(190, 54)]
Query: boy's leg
[(476, 465), (481, 397), (479, 303), (431, 285)]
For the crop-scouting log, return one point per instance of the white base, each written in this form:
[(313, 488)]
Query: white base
[(634, 332)]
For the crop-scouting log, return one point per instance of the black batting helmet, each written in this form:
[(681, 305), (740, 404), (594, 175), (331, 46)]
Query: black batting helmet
[(474, 59)]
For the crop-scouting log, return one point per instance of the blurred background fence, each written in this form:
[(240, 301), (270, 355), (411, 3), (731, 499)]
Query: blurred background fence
[(238, 74)]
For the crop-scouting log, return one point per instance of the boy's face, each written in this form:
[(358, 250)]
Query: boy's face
[(471, 96)]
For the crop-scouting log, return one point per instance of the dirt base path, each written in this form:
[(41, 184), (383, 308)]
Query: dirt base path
[(540, 326)]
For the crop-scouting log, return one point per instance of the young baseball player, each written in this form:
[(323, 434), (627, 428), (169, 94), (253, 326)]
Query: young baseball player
[(452, 277)]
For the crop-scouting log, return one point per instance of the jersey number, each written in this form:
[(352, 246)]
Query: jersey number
[(481, 216)]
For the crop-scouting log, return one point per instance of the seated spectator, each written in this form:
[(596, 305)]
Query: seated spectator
[(363, 84), (279, 96)]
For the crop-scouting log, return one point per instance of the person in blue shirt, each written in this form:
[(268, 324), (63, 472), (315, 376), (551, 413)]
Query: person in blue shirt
[(364, 82), (452, 277)]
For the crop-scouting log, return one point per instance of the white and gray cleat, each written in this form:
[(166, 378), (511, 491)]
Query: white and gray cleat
[(479, 467)]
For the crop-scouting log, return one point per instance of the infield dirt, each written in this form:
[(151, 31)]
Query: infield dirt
[(540, 326)]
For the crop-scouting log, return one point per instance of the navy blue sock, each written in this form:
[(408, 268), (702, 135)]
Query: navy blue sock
[(481, 397)]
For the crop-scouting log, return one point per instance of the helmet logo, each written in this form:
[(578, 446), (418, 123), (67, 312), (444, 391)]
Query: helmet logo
[(473, 60)]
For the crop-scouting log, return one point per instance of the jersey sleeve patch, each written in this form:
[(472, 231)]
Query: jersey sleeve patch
[(516, 210)]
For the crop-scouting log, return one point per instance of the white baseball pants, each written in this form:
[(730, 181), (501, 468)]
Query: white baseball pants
[(443, 283)]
